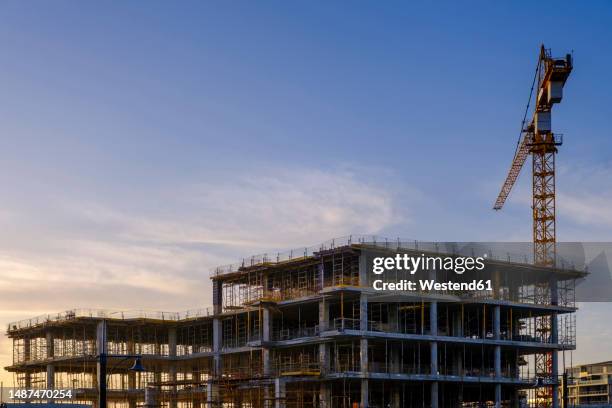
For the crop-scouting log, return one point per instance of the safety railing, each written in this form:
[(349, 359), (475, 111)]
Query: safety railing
[(107, 314), (449, 248)]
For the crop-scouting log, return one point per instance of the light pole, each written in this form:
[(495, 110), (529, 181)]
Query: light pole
[(102, 364), (102, 372)]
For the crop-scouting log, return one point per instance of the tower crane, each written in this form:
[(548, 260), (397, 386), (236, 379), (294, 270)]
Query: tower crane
[(536, 138)]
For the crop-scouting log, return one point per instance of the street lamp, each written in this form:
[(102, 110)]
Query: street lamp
[(102, 363), (102, 372)]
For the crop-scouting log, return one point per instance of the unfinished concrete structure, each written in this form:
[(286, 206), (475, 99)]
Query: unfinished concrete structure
[(306, 329)]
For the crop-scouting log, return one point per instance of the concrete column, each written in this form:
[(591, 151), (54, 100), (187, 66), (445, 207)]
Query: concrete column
[(363, 270), (433, 328), (323, 325), (363, 344), (50, 366), (433, 318), (50, 345), (324, 395), (101, 347), (497, 322), (27, 354), (217, 297), (433, 349), (266, 334), (496, 284), (172, 368), (434, 395), (321, 276), (266, 324), (498, 396), (363, 312), (365, 393), (172, 341), (363, 356), (217, 346), (279, 393), (323, 315), (457, 324), (212, 394), (132, 377), (50, 376), (392, 317), (324, 358), (267, 361), (497, 361), (27, 357), (497, 353), (554, 339)]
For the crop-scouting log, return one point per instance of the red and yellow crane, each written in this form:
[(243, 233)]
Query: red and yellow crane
[(536, 138)]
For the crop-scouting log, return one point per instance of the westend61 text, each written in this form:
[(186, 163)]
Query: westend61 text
[(430, 284)]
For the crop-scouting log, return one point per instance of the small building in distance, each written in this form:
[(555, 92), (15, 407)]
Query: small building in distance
[(590, 384)]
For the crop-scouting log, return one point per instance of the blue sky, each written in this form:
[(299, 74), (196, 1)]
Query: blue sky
[(142, 143)]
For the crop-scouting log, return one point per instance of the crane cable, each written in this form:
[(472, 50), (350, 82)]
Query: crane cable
[(535, 76)]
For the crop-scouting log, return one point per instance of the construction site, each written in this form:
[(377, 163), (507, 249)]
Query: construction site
[(306, 328)]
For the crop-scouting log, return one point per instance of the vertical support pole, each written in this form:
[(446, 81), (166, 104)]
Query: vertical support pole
[(279, 393), (217, 309), (324, 397), (497, 354), (217, 346), (365, 393), (26, 357), (434, 395), (433, 328), (458, 357), (50, 366), (265, 351), (323, 325), (363, 269), (172, 368), (212, 394), (132, 378), (498, 395), (363, 348), (554, 339), (101, 348), (50, 378)]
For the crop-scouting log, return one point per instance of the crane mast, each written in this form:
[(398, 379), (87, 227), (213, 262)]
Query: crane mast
[(537, 139)]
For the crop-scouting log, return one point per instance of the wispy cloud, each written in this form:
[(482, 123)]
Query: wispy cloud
[(203, 224), (104, 255)]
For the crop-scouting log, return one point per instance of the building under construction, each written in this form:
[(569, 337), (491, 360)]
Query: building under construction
[(306, 329)]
